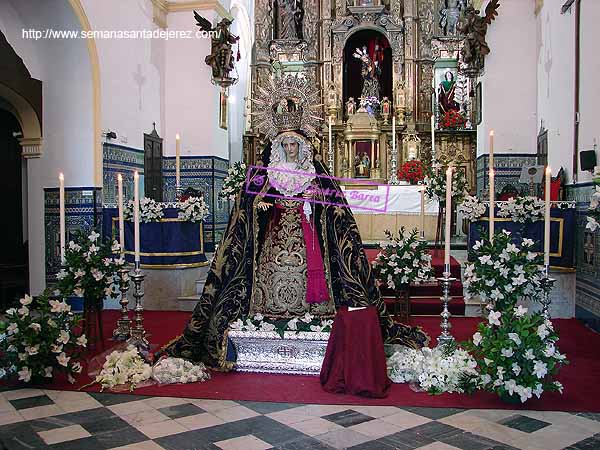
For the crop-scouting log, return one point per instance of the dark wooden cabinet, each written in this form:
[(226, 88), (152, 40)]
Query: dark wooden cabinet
[(153, 178)]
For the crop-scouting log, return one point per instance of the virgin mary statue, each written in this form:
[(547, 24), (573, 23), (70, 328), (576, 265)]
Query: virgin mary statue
[(291, 247)]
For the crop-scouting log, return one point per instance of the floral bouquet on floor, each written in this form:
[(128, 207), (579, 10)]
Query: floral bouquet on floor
[(502, 272), (412, 171), (150, 210), (472, 208), (523, 209), (435, 183), (517, 354), (122, 368), (234, 182), (90, 269), (402, 261), (193, 209), (39, 339)]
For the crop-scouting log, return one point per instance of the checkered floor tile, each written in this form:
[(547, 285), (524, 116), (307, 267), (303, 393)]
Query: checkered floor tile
[(33, 418)]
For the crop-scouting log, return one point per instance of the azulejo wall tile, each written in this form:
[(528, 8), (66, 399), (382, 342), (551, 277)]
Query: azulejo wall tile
[(83, 210), (124, 160), (508, 170)]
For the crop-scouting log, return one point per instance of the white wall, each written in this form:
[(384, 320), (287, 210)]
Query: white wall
[(131, 70), (589, 126), (63, 67), (556, 80), (509, 83), (191, 101)]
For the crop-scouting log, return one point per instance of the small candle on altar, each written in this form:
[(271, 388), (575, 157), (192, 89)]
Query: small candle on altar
[(433, 136), (423, 210), (448, 216), (121, 218), (136, 215), (547, 217), (492, 187), (61, 212), (177, 155)]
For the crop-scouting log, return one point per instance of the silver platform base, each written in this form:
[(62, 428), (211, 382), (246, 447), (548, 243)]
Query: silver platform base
[(266, 352)]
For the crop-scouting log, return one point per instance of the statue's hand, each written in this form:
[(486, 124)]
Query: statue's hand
[(263, 206)]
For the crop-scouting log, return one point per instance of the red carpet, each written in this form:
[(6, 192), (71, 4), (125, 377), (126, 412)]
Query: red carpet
[(580, 378)]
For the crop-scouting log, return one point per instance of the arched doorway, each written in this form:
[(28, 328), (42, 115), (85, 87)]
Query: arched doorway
[(352, 80), (14, 266)]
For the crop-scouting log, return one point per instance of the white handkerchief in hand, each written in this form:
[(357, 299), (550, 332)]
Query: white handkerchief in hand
[(356, 308)]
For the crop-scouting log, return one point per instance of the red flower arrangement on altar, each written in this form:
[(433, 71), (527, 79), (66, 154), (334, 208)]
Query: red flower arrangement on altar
[(453, 119), (412, 171)]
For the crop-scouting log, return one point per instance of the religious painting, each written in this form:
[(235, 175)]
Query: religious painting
[(223, 110)]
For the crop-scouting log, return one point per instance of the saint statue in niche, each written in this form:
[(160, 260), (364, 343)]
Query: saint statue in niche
[(446, 92), (450, 15), (290, 15), (370, 72)]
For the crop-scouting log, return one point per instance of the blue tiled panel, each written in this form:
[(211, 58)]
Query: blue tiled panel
[(588, 258), (508, 170), (83, 210), (206, 174), (124, 160)]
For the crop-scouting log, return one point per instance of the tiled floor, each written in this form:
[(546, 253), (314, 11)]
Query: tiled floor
[(32, 419)]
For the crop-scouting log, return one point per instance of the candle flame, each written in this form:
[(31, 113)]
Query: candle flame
[(548, 170), (492, 133), (61, 177), (120, 177), (177, 136), (136, 175)]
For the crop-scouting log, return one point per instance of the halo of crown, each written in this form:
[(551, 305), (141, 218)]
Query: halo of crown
[(289, 102)]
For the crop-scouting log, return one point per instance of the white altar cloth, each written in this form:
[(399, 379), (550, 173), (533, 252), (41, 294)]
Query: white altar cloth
[(389, 199)]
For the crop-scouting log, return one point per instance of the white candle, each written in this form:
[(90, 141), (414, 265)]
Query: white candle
[(394, 134), (423, 211), (433, 137), (547, 218), (121, 219), (61, 211), (492, 187), (177, 155), (448, 215), (136, 214)]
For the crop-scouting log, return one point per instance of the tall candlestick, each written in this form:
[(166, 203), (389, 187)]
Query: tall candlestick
[(448, 216), (423, 212), (394, 134), (547, 218), (121, 219), (61, 210), (136, 215), (492, 188), (433, 137), (177, 155)]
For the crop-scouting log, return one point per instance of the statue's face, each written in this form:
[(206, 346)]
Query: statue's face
[(291, 149), (449, 76)]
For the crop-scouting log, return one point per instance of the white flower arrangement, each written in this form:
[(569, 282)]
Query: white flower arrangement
[(593, 218), (435, 183), (177, 370), (437, 370), (150, 210), (472, 208), (522, 209), (123, 367), (306, 323), (502, 271), (39, 340), (516, 354), (233, 183), (194, 209), (403, 260)]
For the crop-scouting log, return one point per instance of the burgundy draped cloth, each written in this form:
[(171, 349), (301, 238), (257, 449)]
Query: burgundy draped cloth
[(316, 286), (355, 360)]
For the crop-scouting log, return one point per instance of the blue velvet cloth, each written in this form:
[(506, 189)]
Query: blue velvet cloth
[(561, 243), (162, 244)]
